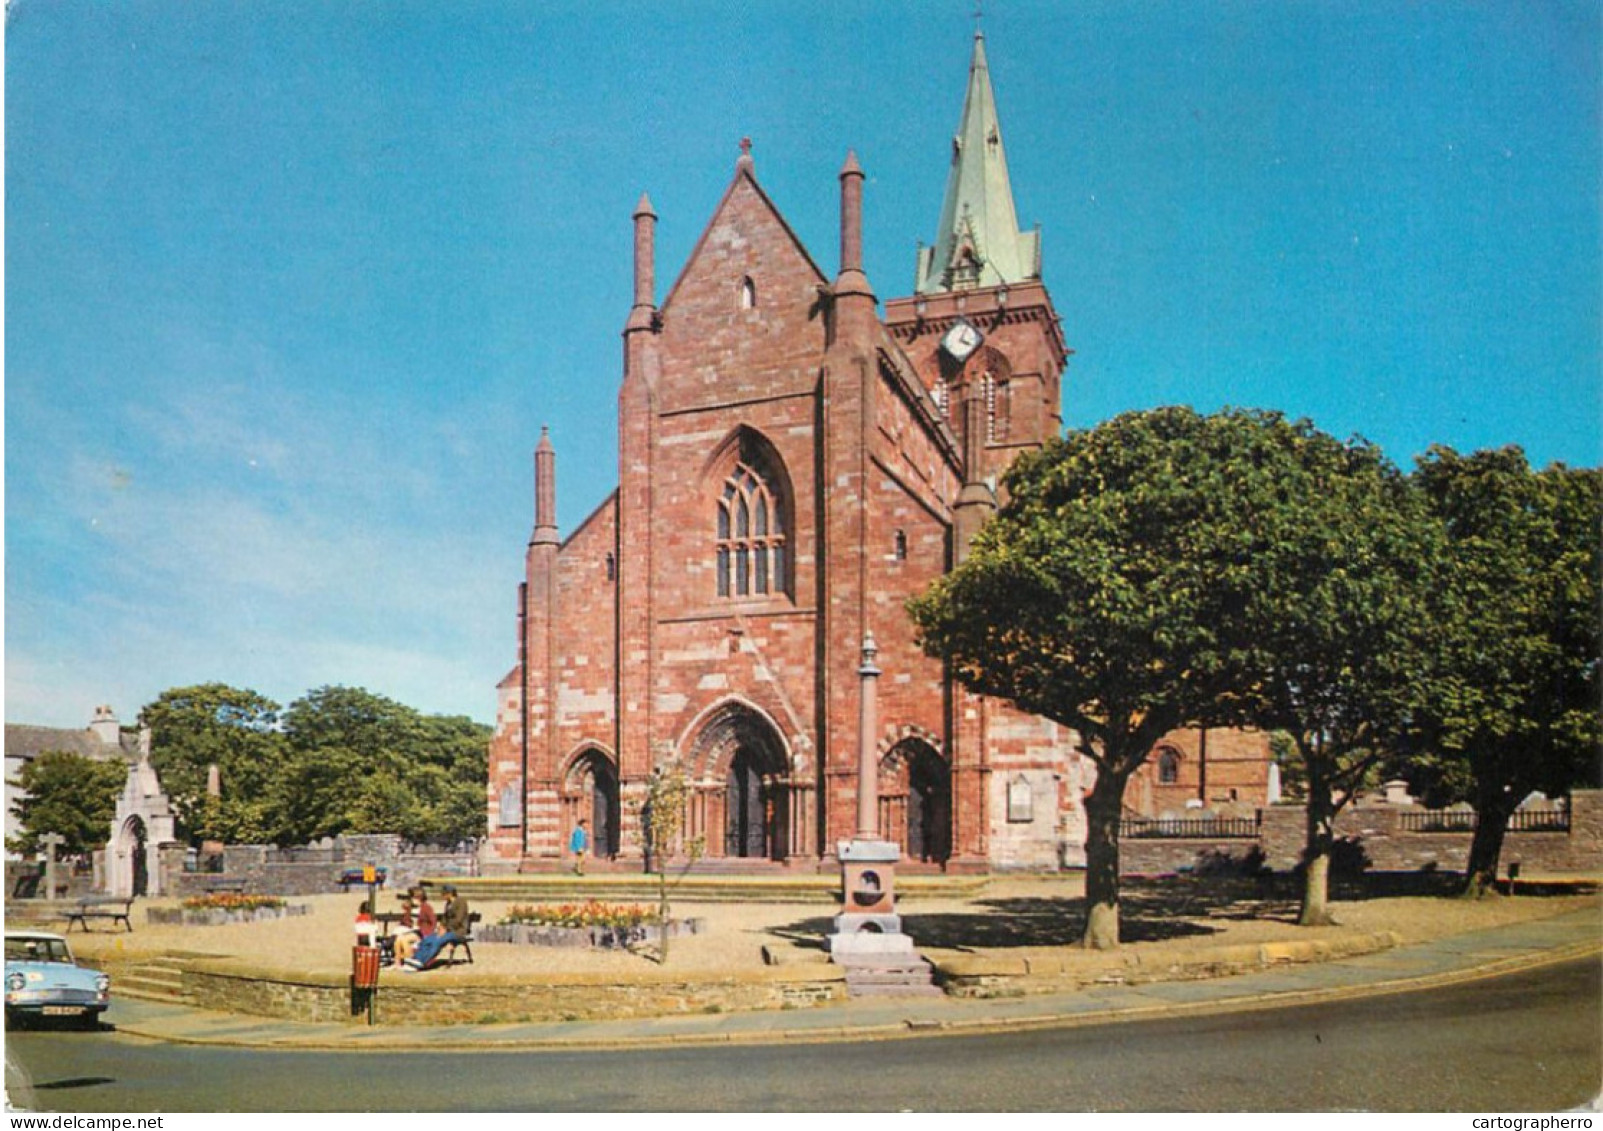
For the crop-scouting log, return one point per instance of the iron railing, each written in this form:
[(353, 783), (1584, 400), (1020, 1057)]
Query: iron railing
[(1463, 821), (1200, 828)]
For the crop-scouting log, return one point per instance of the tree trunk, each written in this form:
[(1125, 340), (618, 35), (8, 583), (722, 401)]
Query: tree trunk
[(1486, 847), (1321, 841), (1103, 807), (662, 916)]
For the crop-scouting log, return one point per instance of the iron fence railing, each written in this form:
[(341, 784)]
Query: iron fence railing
[(1464, 821), (1200, 828)]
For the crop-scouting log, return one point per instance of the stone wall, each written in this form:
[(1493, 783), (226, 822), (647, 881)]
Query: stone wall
[(1373, 831), (236, 989), (264, 870)]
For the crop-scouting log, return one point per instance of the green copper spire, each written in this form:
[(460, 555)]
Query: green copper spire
[(979, 243)]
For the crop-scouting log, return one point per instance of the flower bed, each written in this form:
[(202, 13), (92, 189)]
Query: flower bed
[(231, 901), (224, 907), (589, 924)]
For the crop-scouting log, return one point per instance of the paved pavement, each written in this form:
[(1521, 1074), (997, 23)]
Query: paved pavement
[(1453, 959)]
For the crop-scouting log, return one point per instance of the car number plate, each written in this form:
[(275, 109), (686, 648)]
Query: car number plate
[(62, 1010)]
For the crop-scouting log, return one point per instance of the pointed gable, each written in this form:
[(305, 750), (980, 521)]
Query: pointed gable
[(743, 319)]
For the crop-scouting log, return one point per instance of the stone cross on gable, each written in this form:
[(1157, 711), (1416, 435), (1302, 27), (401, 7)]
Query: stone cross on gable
[(51, 843)]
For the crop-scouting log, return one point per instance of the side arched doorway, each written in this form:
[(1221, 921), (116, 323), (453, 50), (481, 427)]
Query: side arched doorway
[(916, 801), (743, 747), (591, 791), (130, 852)]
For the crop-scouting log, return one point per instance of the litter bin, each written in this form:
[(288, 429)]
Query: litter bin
[(364, 967)]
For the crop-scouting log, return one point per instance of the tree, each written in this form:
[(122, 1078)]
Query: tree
[(1108, 594), (1517, 678), (339, 759), (662, 833), (213, 724), (67, 794), (1336, 622), (360, 762)]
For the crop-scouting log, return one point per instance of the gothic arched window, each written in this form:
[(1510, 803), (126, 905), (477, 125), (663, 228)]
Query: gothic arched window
[(1168, 766), (752, 523)]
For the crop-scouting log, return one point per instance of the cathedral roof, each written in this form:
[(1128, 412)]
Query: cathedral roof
[(978, 243)]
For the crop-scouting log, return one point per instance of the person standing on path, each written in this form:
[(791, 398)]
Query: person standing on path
[(578, 844)]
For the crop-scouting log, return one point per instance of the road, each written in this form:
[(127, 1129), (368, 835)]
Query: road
[(1525, 1042)]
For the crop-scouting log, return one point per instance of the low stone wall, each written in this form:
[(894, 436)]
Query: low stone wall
[(264, 870), (1045, 970), (542, 934), (1156, 856), (1373, 832), (415, 1000)]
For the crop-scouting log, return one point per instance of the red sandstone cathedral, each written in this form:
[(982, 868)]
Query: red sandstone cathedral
[(793, 465)]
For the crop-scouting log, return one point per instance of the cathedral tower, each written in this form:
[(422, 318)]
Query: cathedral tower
[(980, 326)]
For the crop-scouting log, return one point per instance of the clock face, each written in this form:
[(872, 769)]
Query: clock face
[(961, 340)]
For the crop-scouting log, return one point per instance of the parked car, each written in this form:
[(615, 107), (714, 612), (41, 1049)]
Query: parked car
[(44, 980)]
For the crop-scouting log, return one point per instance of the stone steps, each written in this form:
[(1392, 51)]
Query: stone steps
[(156, 979), (886, 975)]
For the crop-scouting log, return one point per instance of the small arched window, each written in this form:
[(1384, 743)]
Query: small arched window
[(901, 546), (612, 566), (748, 294), (751, 521), (1168, 766)]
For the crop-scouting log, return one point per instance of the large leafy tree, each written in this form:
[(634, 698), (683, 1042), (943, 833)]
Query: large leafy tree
[(1109, 594), (68, 794), (339, 759), (195, 728), (360, 762), (1517, 689), (1343, 555)]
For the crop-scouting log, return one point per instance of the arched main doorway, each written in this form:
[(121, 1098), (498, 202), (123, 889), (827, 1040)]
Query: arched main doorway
[(747, 749), (592, 793)]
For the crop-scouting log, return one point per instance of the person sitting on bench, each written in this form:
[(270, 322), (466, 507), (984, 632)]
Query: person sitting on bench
[(453, 927)]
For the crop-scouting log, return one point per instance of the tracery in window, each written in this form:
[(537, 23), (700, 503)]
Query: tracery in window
[(751, 522)]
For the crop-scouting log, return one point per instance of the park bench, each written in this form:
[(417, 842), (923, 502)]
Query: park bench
[(356, 876), (225, 884), (464, 941), (105, 907)]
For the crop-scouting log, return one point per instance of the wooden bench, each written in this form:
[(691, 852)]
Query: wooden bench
[(222, 884), (464, 941), (103, 908)]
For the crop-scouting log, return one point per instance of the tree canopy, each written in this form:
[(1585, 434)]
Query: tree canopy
[(1516, 688), (1336, 627), (1116, 591), (336, 760), (69, 794)]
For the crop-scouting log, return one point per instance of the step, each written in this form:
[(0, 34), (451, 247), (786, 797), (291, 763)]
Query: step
[(925, 990), (145, 988)]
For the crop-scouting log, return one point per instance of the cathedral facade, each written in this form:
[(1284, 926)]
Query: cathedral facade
[(793, 466)]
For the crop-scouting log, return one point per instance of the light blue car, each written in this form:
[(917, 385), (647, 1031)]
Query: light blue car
[(43, 980)]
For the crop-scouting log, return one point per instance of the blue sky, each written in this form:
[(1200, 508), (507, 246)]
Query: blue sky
[(291, 287)]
